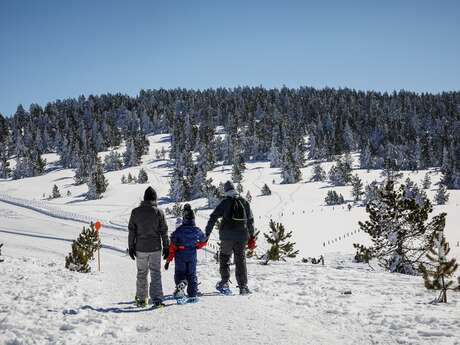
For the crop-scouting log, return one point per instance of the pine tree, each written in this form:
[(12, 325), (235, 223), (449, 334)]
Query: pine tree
[(426, 181), (333, 198), (319, 175), (123, 179), (437, 275), (83, 250), (248, 196), (357, 188), (142, 177), (55, 193), (130, 156), (371, 192), (441, 197), (280, 246), (130, 178), (97, 184), (398, 229), (113, 161), (266, 190)]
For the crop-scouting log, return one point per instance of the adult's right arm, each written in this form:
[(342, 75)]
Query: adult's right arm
[(215, 215), (132, 232)]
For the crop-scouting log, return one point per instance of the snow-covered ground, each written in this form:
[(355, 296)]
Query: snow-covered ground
[(293, 303)]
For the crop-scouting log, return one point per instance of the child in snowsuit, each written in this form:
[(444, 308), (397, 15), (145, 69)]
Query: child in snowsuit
[(183, 246)]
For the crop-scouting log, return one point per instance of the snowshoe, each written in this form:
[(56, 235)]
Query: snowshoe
[(140, 302), (244, 290), (193, 300), (158, 304), (223, 288)]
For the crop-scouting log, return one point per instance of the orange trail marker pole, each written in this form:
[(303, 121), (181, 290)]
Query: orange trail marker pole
[(98, 226)]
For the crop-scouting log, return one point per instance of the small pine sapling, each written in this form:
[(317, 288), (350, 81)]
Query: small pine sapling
[(130, 178), (437, 276), (177, 210), (266, 190), (248, 197), (55, 193), (142, 177), (239, 188), (281, 248), (83, 249)]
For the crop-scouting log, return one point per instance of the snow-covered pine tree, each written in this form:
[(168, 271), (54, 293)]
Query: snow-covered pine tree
[(212, 193), (333, 198), (142, 177), (83, 250), (55, 192), (412, 191), (129, 178), (239, 188), (113, 161), (398, 229), (130, 157), (365, 158), (266, 190), (357, 187), (4, 156), (426, 181), (123, 179), (438, 272), (319, 174), (280, 246), (97, 183), (248, 196), (441, 197), (370, 192)]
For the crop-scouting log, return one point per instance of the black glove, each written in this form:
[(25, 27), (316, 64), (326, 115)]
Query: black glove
[(166, 265), (165, 253), (132, 253)]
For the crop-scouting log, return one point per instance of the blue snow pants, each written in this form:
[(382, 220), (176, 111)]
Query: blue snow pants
[(185, 269)]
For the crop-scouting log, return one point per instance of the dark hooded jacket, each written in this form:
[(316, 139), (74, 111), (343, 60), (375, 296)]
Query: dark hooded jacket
[(230, 230), (148, 231)]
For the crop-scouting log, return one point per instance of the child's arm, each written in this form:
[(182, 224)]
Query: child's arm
[(172, 251), (201, 240)]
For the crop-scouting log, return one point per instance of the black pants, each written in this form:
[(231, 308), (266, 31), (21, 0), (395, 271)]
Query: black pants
[(238, 248)]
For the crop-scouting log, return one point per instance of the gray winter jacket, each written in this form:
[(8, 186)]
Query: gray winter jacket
[(147, 228), (230, 230)]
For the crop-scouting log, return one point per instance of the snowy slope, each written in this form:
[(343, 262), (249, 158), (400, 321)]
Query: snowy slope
[(293, 303)]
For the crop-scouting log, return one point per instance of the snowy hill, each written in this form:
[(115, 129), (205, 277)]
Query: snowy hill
[(293, 303)]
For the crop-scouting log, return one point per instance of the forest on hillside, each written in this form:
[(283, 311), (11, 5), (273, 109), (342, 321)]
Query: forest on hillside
[(399, 131)]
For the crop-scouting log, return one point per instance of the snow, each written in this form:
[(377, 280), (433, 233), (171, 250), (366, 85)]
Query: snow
[(293, 303)]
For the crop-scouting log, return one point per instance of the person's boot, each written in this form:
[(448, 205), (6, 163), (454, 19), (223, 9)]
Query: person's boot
[(158, 304), (244, 290), (223, 288), (140, 302), (180, 290)]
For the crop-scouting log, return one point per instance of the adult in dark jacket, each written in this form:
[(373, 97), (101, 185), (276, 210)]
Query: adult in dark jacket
[(148, 234), (234, 237)]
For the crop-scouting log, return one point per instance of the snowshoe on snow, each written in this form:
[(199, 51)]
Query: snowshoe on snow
[(140, 302), (244, 290), (223, 288), (158, 304)]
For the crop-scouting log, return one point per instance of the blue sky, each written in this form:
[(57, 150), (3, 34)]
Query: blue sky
[(58, 49)]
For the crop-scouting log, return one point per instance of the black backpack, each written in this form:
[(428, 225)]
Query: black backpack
[(237, 212)]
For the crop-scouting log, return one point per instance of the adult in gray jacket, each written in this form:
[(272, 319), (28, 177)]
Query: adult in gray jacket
[(235, 233), (148, 234)]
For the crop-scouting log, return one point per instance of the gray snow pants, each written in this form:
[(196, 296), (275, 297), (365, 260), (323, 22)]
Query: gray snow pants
[(238, 248), (149, 262)]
